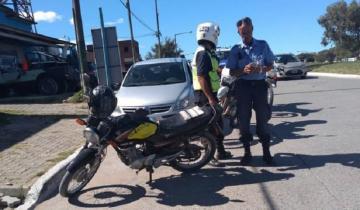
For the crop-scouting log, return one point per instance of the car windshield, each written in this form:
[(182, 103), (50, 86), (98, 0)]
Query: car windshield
[(155, 74), (286, 58)]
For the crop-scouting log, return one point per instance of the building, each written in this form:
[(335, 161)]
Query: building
[(16, 32), (125, 53), (26, 56)]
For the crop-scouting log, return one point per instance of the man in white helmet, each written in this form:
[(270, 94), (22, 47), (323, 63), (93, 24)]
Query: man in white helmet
[(206, 81)]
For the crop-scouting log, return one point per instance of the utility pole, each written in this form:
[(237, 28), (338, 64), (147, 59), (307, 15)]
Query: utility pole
[(158, 29), (131, 31), (105, 49), (81, 51)]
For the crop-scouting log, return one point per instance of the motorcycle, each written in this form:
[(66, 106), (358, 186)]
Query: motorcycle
[(181, 141), (271, 80), (226, 94)]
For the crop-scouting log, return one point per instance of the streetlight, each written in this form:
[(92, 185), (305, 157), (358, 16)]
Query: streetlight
[(189, 32)]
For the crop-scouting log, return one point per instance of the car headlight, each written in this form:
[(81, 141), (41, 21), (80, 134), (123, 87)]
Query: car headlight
[(91, 136), (182, 104)]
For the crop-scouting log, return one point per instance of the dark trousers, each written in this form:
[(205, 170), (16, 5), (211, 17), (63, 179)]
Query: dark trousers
[(201, 100), (252, 94)]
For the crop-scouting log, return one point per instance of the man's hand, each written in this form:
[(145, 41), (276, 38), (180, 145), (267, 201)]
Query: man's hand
[(212, 101), (249, 69)]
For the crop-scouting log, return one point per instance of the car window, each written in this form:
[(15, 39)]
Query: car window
[(8, 62), (155, 74), (287, 58), (33, 57)]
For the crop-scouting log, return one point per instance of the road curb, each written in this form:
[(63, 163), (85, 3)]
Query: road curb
[(47, 184), (335, 75)]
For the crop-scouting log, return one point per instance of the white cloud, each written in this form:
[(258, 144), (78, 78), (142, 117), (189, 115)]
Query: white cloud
[(116, 22), (49, 16), (71, 21)]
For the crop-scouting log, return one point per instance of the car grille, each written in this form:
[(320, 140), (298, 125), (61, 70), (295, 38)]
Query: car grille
[(152, 109), (294, 72)]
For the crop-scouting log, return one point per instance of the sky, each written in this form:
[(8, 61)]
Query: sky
[(287, 25)]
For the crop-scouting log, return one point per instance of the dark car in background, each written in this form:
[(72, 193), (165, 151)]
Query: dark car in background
[(41, 72)]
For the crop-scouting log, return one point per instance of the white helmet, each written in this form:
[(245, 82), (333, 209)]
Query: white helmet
[(208, 31)]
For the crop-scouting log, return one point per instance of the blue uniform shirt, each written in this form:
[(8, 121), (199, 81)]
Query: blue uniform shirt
[(258, 52)]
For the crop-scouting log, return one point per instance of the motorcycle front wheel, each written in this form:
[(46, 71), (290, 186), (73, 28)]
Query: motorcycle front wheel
[(76, 180), (197, 153)]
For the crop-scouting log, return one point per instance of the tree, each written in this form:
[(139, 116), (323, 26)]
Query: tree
[(306, 57), (342, 26), (168, 49), (325, 55)]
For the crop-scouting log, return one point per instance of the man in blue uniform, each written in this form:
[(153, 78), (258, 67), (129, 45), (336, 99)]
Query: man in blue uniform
[(250, 63)]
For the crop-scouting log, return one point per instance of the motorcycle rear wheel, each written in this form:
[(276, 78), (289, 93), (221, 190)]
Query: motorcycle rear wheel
[(82, 175), (200, 155)]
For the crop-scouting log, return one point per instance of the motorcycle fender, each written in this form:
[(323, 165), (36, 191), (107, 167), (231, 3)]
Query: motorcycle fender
[(83, 156)]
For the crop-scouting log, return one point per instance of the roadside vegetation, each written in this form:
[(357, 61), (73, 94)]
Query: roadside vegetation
[(341, 68), (78, 97)]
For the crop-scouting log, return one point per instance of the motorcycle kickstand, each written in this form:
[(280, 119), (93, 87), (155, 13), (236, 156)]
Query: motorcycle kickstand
[(151, 171)]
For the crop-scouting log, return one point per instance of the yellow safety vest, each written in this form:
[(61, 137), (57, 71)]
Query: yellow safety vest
[(214, 77)]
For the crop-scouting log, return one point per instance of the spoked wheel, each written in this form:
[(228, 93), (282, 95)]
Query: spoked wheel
[(74, 181), (197, 153)]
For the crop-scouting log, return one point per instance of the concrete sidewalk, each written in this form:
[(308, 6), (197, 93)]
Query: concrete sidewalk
[(34, 138)]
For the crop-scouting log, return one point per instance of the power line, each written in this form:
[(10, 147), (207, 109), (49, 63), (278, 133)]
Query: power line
[(138, 19)]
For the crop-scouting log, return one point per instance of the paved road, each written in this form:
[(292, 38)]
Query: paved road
[(315, 126)]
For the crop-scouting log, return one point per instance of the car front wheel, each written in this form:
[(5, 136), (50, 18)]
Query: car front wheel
[(48, 85)]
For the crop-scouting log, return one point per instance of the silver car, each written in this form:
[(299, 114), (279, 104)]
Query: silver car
[(288, 65), (161, 86)]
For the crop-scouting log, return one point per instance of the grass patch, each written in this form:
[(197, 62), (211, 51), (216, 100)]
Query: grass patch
[(40, 173), (13, 112), (340, 68), (62, 156), (78, 97)]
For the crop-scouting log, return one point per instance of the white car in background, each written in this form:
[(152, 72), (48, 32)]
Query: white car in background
[(288, 66)]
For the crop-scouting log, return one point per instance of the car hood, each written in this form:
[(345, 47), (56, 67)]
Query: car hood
[(150, 95)]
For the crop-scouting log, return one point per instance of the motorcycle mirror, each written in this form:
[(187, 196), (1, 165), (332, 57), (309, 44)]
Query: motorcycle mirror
[(222, 92)]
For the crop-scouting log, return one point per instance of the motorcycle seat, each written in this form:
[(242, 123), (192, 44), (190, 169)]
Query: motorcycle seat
[(185, 121)]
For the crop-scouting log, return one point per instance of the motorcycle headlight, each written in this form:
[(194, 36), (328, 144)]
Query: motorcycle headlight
[(222, 92), (91, 136)]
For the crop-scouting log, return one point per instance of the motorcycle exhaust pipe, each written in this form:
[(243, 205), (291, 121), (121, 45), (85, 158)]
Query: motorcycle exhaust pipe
[(161, 161)]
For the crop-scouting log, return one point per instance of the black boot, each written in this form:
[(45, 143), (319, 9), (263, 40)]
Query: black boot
[(247, 156), (221, 153), (268, 159)]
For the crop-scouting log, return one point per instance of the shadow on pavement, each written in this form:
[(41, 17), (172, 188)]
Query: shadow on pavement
[(315, 161), (297, 78), (107, 196), (290, 130), (291, 110), (203, 188), (22, 127)]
